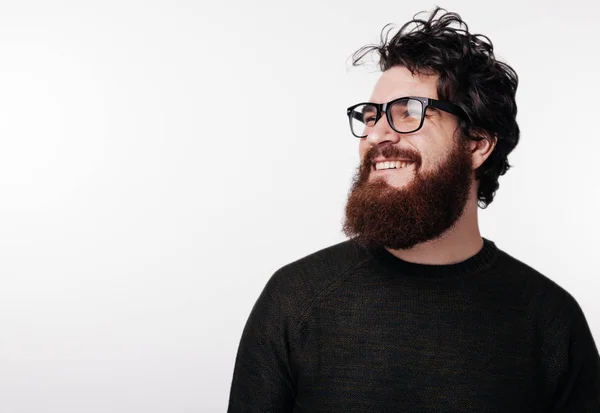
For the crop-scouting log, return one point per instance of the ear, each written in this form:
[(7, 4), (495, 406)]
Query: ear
[(482, 149)]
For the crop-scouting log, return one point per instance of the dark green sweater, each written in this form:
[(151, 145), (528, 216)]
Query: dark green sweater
[(352, 329)]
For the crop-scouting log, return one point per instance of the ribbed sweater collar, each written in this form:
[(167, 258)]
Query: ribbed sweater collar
[(478, 262)]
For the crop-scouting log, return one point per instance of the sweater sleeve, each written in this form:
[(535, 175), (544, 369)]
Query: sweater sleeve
[(262, 377), (578, 380)]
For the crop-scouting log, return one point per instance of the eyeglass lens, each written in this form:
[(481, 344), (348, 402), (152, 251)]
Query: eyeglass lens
[(405, 114)]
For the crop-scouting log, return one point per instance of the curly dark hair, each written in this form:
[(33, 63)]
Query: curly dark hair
[(469, 76)]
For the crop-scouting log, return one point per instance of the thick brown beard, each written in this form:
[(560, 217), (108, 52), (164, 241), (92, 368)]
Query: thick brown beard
[(378, 214)]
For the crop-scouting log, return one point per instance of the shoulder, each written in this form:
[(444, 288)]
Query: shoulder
[(316, 270), (338, 257), (296, 284), (551, 301)]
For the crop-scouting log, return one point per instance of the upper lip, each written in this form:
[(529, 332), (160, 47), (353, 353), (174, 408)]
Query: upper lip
[(391, 160)]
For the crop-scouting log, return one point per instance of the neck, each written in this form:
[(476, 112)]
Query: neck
[(460, 242)]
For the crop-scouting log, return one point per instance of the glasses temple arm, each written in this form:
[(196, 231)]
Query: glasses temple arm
[(449, 107)]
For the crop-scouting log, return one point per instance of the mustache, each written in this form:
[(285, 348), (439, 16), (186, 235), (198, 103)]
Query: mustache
[(389, 152)]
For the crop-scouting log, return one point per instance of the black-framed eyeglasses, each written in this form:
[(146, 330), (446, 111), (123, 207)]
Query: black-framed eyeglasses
[(404, 115)]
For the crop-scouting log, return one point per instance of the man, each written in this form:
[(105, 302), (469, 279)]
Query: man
[(416, 312)]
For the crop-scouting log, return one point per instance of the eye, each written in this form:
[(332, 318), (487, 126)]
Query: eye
[(370, 120)]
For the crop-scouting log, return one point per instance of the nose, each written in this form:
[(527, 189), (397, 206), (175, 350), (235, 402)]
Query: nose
[(382, 132)]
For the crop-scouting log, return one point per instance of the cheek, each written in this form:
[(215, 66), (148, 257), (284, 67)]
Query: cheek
[(431, 157), (439, 157), (433, 145), (363, 148)]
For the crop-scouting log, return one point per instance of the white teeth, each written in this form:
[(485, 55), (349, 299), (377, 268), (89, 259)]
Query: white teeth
[(391, 165)]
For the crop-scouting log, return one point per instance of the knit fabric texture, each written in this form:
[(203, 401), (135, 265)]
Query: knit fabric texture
[(355, 329)]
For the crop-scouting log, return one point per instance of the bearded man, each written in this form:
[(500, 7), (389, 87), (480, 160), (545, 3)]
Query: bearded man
[(416, 311)]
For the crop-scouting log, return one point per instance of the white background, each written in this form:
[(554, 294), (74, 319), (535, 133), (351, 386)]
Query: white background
[(156, 169)]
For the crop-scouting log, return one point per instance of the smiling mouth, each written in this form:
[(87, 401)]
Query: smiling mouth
[(386, 166)]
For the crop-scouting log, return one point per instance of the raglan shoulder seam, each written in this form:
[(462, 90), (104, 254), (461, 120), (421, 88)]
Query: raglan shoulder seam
[(324, 289)]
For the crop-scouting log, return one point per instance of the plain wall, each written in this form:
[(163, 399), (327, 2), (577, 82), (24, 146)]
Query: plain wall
[(157, 166)]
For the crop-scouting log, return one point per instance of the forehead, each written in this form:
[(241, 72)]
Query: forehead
[(398, 82)]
